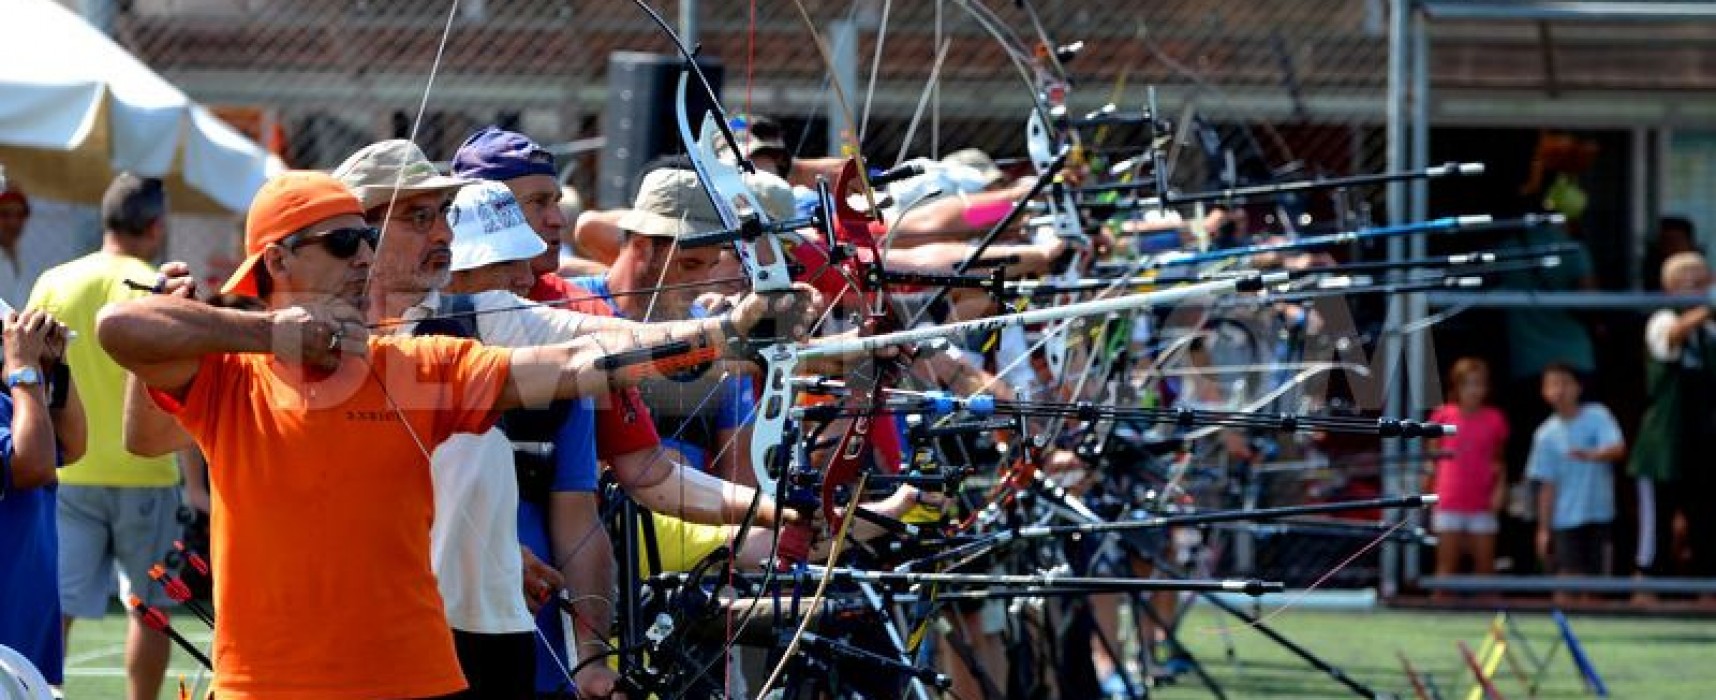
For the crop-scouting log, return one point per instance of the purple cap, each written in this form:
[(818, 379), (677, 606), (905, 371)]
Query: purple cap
[(496, 154)]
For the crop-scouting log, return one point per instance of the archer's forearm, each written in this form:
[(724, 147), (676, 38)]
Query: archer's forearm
[(542, 374), (620, 334), (733, 463), (696, 497), (1686, 324), (162, 328)]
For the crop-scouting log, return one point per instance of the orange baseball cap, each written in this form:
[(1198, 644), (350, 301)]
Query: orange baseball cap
[(286, 204)]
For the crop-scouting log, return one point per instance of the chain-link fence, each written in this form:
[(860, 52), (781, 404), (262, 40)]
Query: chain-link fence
[(1257, 90)]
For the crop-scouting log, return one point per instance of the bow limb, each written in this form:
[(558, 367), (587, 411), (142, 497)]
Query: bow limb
[(1043, 140), (764, 262)]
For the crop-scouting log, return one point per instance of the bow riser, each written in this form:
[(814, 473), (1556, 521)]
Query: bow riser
[(851, 228)]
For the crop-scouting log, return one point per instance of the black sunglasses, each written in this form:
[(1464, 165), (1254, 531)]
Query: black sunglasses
[(341, 243)]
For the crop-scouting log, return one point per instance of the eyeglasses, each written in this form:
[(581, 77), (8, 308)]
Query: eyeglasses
[(423, 218), (341, 243)]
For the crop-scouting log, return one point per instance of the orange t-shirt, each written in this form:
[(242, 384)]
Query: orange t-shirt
[(322, 506)]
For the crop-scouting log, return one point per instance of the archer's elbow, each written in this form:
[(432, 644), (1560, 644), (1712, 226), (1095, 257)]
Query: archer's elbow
[(643, 470)]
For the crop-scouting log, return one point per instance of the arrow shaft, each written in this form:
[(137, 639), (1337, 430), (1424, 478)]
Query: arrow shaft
[(1088, 308)]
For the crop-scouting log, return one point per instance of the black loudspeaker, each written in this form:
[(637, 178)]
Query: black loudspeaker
[(640, 122)]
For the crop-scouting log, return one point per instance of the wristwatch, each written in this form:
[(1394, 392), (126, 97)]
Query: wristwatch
[(23, 375)]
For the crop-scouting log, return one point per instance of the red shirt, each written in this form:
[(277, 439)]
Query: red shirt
[(552, 287), (1465, 481), (623, 424)]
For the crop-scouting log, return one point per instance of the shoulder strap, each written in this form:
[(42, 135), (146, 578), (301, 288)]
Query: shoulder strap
[(453, 317)]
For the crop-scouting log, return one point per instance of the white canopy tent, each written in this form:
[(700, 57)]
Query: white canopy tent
[(76, 108)]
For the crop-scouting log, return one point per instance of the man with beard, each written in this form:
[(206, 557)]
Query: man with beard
[(476, 499), (670, 203)]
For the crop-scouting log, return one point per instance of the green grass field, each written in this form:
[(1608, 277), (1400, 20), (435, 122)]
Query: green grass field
[(1639, 657)]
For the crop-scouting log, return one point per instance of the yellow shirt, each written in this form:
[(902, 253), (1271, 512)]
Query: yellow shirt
[(74, 293), (681, 544)]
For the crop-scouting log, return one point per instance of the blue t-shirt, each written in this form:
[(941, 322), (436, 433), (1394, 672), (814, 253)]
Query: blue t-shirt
[(29, 565), (574, 472), (1584, 490)]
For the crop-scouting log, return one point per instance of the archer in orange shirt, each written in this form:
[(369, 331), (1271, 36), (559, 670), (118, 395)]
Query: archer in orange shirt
[(318, 439)]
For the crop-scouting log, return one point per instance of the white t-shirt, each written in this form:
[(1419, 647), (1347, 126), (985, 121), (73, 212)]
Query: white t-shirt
[(474, 540), (1656, 336), (473, 543)]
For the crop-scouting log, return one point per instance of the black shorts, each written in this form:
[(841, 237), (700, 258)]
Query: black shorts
[(1583, 550), (497, 666)]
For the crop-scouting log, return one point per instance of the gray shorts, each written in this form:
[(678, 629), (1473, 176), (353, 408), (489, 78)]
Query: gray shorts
[(112, 535), (1448, 521)]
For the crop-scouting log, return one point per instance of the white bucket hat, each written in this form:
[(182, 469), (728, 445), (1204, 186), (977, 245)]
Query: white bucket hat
[(489, 227)]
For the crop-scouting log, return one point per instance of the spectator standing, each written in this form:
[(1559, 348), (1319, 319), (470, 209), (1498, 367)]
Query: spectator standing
[(1572, 456), (1680, 381), (41, 425), (1471, 484), (117, 511), (1674, 235), (14, 214)]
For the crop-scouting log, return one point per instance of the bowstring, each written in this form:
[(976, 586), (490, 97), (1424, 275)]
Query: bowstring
[(553, 304), (875, 70), (393, 197)]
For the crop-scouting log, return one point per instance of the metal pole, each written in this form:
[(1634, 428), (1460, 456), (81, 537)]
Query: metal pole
[(1638, 200), (1420, 357), (688, 21), (843, 47), (1397, 143)]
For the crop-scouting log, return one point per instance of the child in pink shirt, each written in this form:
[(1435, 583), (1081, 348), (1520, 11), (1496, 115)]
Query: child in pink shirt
[(1471, 484)]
